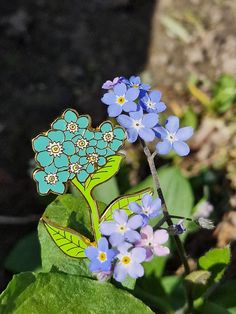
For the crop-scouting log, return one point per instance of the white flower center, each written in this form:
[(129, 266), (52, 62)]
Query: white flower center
[(150, 104), (146, 210), (51, 178), (92, 158), (82, 143), (122, 228), (108, 136), (72, 127), (137, 124), (120, 100), (55, 149), (171, 137), (75, 167)]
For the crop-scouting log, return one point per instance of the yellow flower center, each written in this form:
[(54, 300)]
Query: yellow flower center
[(121, 100), (102, 257), (82, 143), (126, 260), (75, 168), (108, 137), (51, 178), (92, 158), (135, 86), (55, 149), (72, 127)]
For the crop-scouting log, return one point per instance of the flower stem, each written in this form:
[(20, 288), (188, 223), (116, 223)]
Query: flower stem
[(167, 218), (94, 213)]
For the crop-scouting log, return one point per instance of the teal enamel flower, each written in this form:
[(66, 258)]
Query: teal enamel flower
[(51, 179), (77, 170), (52, 147), (83, 141), (71, 123), (110, 138), (92, 160)]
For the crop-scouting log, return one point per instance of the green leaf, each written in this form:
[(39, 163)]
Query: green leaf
[(198, 281), (70, 242), (222, 300), (198, 276), (69, 212), (215, 261), (104, 173), (25, 256), (123, 203), (62, 293), (107, 191)]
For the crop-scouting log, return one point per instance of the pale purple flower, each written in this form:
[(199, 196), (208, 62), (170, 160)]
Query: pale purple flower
[(139, 124), (148, 209), (135, 82), (129, 262), (110, 84), (151, 102), (153, 242), (120, 99), (103, 275), (100, 257), (203, 209), (173, 137), (122, 228)]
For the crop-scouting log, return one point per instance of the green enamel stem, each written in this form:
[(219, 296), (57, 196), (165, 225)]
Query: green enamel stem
[(94, 214)]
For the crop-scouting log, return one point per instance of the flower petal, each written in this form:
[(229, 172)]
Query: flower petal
[(70, 116), (114, 110), (160, 132), (116, 239), (109, 98), (181, 148), (120, 273), (69, 148), (132, 135), (44, 158), (147, 200), (56, 136), (132, 236), (135, 222), (135, 207), (161, 250), (40, 143), (136, 270), (83, 121), (150, 120), (119, 133), (125, 121), (155, 96), (138, 254), (59, 124), (91, 252), (103, 244), (61, 161), (129, 106), (160, 237), (172, 124), (132, 94), (120, 89), (163, 147), (147, 233), (146, 134), (185, 133), (120, 216), (108, 227)]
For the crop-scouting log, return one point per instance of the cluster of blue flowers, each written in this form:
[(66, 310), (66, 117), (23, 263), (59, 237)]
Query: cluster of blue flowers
[(71, 148), (137, 109), (128, 241)]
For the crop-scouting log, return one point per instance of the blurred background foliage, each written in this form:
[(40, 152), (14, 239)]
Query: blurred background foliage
[(56, 55)]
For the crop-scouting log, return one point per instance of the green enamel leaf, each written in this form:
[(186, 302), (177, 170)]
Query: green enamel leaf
[(123, 203), (70, 242), (63, 293), (215, 261), (104, 173)]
